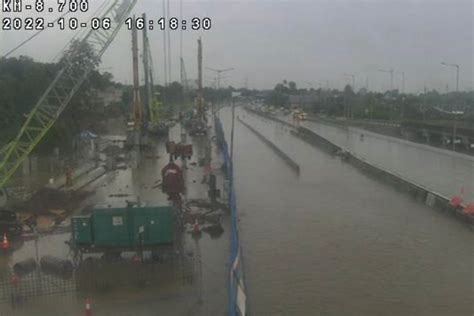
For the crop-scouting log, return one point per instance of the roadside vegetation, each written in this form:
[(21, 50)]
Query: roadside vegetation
[(429, 106), (23, 81)]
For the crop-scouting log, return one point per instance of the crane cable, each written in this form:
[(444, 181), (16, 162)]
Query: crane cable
[(99, 10), (40, 31), (31, 37)]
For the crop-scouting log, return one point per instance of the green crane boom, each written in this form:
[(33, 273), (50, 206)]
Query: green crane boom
[(57, 96)]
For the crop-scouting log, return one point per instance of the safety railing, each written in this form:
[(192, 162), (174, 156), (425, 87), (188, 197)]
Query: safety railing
[(236, 290)]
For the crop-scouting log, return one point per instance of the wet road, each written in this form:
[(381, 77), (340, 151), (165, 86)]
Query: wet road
[(439, 170), (169, 299), (335, 242)]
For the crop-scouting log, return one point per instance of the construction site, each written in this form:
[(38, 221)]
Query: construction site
[(129, 221), (236, 158)]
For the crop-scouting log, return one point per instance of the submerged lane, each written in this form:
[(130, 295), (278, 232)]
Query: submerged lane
[(337, 242)]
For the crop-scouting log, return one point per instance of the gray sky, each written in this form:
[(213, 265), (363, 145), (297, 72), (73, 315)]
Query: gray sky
[(303, 41)]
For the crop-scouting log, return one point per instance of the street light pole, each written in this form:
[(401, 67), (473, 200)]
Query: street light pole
[(403, 81), (350, 114), (457, 73), (454, 132), (455, 115), (390, 71), (353, 80), (232, 132), (218, 74)]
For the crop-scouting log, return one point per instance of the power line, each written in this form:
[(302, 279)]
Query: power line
[(218, 74), (98, 12), (30, 38)]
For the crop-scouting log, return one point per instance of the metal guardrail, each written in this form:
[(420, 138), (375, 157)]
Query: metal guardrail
[(236, 286)]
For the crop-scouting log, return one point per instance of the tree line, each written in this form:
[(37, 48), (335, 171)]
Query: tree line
[(364, 104), (23, 81)]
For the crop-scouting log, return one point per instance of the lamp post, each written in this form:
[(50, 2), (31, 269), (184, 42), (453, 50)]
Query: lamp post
[(234, 96), (218, 74), (350, 114), (353, 80), (403, 81), (457, 73), (455, 115), (390, 71)]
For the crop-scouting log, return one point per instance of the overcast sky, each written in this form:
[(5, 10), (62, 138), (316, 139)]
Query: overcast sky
[(303, 41)]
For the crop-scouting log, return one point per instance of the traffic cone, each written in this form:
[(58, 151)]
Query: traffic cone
[(455, 201), (5, 243), (469, 209), (88, 307)]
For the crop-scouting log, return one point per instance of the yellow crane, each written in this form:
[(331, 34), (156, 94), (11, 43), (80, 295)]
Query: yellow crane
[(57, 96)]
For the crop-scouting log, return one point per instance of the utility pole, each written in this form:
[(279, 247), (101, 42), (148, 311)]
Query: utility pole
[(232, 133), (353, 80), (181, 60), (455, 115), (350, 114), (424, 103), (165, 50), (324, 92), (137, 109), (181, 31), (390, 71), (200, 95), (218, 74), (184, 81), (146, 70), (403, 81), (169, 43), (457, 73)]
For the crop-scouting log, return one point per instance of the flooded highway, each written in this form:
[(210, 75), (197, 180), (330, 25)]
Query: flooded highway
[(439, 170), (334, 241)]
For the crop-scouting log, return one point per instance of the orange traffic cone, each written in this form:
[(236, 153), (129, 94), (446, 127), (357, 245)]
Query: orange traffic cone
[(88, 307), (5, 243), (469, 209)]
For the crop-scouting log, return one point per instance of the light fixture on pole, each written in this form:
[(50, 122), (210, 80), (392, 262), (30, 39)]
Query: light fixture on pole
[(403, 80), (353, 80), (390, 71), (218, 74), (457, 73)]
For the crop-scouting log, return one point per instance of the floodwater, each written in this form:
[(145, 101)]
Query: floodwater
[(205, 296), (439, 170), (334, 241)]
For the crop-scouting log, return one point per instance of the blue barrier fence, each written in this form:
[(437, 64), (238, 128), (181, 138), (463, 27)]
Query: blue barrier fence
[(236, 290)]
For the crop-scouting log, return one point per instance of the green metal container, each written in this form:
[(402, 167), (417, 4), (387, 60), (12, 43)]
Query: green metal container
[(81, 230), (111, 228), (125, 228), (152, 225)]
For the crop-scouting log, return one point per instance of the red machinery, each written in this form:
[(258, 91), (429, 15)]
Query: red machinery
[(179, 150), (173, 181)]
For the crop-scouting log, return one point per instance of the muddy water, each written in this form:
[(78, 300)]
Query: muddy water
[(170, 299), (335, 242)]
